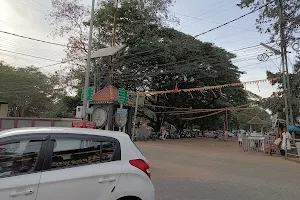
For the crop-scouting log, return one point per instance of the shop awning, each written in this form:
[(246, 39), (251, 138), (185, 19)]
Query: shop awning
[(294, 128)]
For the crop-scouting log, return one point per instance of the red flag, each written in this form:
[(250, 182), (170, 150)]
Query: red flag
[(176, 87)]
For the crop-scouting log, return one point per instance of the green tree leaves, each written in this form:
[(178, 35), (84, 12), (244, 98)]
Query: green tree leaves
[(29, 92)]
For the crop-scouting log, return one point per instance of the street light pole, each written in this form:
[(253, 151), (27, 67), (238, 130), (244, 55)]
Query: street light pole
[(88, 66)]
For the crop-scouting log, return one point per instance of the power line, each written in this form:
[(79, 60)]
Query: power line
[(37, 47), (34, 39), (201, 19), (210, 11), (28, 55), (40, 3), (240, 17), (32, 7)]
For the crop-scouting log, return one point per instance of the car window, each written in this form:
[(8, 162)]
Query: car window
[(74, 152), (18, 158)]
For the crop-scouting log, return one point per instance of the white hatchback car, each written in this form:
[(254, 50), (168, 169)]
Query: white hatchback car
[(72, 164)]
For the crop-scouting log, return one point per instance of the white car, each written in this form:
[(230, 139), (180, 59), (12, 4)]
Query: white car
[(72, 164)]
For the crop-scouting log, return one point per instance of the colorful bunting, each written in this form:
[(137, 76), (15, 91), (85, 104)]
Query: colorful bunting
[(206, 87), (202, 92), (257, 86), (176, 87), (213, 93)]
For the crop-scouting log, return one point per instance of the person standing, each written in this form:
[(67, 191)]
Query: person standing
[(240, 138), (286, 139)]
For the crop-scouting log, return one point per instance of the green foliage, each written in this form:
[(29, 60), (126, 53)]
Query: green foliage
[(66, 107), (276, 104), (171, 56), (29, 92), (242, 117), (268, 19), (156, 58)]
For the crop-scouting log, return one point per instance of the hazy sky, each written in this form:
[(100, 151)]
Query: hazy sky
[(27, 17)]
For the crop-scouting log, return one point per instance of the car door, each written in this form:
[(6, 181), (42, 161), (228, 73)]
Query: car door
[(80, 167), (21, 159)]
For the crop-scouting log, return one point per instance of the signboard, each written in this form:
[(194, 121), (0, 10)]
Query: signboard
[(122, 111), (83, 124), (91, 91), (141, 100), (120, 120), (123, 96), (121, 117)]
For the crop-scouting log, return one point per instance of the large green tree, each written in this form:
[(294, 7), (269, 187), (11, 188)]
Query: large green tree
[(71, 18), (156, 57), (28, 91), (171, 56)]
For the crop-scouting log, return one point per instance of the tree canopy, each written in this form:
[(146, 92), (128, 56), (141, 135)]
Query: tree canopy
[(156, 58), (29, 92), (276, 104), (268, 18)]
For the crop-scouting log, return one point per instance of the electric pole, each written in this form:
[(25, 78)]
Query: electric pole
[(282, 36), (88, 66), (285, 70)]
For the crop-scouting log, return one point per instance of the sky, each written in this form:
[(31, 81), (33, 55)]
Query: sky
[(28, 18)]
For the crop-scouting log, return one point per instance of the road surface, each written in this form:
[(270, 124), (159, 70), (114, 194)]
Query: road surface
[(204, 168)]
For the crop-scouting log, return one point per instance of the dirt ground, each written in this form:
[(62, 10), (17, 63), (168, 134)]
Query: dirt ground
[(205, 165)]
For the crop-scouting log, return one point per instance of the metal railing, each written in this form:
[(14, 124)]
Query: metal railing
[(297, 147), (259, 143)]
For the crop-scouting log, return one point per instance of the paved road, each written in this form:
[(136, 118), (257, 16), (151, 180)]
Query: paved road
[(210, 169)]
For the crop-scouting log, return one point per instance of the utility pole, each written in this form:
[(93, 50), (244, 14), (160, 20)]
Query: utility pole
[(113, 43), (135, 115), (284, 49), (289, 88), (277, 52), (87, 71), (282, 36), (285, 70)]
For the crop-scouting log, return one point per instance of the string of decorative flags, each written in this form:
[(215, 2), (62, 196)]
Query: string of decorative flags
[(208, 88), (275, 94)]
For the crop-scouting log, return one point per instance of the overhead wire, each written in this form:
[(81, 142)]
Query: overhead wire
[(28, 55), (233, 20), (236, 27), (28, 47), (34, 39), (209, 11), (20, 1)]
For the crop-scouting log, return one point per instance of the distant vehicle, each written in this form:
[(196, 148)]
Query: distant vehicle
[(72, 164), (210, 134)]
